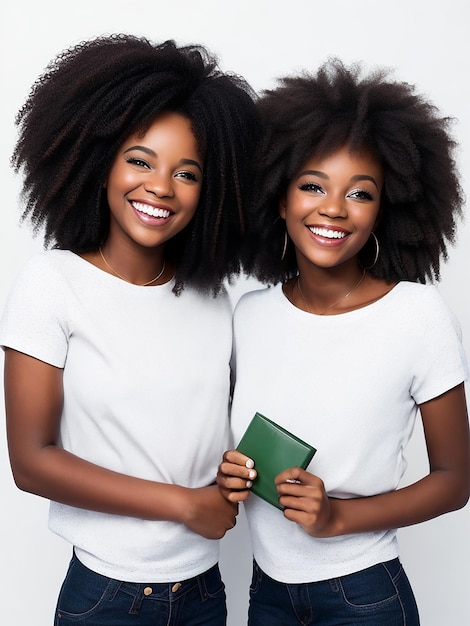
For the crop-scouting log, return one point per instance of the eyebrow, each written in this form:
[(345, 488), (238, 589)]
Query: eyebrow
[(154, 154), (354, 179)]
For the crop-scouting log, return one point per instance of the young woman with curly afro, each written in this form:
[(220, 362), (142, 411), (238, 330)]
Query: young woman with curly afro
[(357, 197), (136, 163)]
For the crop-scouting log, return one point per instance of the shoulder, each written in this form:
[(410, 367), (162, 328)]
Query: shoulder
[(252, 300), (44, 282), (46, 263), (424, 307), (255, 312), (40, 270), (407, 296), (425, 297)]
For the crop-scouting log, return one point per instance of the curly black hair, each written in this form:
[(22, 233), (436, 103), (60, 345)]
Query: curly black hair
[(316, 114), (91, 98)]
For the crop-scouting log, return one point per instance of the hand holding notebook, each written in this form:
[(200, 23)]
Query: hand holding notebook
[(273, 449)]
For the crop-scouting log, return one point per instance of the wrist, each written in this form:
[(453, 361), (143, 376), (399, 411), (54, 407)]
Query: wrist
[(336, 523), (172, 503)]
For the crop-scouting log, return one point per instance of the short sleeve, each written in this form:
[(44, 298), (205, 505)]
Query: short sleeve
[(440, 359), (34, 320)]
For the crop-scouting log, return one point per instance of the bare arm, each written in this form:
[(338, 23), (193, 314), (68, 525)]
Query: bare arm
[(444, 489), (33, 401)]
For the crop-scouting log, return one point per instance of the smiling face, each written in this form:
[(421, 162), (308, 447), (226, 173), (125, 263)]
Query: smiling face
[(331, 206), (154, 184)]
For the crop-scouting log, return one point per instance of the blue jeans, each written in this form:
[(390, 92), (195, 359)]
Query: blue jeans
[(377, 596), (89, 599)]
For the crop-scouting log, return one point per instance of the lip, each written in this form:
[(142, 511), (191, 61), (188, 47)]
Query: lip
[(327, 235), (151, 213)]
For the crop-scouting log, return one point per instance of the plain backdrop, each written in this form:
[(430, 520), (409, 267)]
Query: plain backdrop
[(425, 42)]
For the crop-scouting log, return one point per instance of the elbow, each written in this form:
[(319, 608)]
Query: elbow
[(24, 478), (452, 489), (34, 470), (460, 497), (462, 500), (22, 482)]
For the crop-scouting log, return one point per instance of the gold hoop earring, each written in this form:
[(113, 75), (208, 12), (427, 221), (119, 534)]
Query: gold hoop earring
[(284, 247), (377, 251)]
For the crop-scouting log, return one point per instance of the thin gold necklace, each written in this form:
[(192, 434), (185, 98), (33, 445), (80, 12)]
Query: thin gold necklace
[(332, 306), (125, 279)]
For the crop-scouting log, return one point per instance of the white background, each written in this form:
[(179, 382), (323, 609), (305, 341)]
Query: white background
[(426, 42)]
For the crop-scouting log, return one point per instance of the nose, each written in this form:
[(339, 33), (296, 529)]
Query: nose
[(160, 184), (333, 206)]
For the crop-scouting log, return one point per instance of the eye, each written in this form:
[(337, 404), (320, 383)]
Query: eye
[(313, 187), (361, 194), (138, 162), (186, 174)]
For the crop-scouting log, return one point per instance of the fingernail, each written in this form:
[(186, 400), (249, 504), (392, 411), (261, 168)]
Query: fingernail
[(249, 464), (248, 483), (252, 474)]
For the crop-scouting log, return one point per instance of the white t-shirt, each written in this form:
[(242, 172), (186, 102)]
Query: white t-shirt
[(349, 385), (146, 387)]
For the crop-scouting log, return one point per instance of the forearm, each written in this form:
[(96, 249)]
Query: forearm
[(41, 467), (434, 495), (445, 488), (58, 475)]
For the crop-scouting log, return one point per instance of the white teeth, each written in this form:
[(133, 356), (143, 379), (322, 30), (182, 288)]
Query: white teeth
[(327, 233), (149, 210)]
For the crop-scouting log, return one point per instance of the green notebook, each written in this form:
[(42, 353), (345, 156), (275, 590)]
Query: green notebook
[(273, 449)]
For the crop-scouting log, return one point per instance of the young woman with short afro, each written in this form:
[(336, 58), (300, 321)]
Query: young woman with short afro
[(356, 198)]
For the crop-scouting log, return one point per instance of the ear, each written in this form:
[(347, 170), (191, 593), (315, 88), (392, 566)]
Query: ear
[(283, 206)]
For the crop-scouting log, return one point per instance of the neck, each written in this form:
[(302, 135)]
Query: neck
[(310, 302), (126, 275)]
